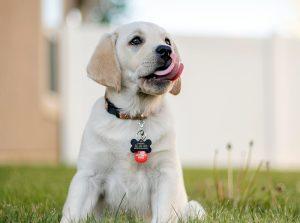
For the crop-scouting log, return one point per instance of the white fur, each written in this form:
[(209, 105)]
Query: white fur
[(107, 172)]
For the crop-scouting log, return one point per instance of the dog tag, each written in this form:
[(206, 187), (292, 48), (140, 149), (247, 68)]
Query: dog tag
[(140, 148)]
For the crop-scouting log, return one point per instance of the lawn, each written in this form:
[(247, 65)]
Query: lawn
[(36, 194)]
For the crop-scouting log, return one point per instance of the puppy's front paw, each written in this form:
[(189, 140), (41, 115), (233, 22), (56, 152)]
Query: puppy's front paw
[(64, 220), (194, 210)]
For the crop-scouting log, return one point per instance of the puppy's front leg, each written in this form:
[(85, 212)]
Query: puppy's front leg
[(82, 197), (167, 197)]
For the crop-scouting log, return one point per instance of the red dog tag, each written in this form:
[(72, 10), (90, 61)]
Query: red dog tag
[(140, 156)]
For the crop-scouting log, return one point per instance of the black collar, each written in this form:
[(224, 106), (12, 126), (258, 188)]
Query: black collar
[(112, 109)]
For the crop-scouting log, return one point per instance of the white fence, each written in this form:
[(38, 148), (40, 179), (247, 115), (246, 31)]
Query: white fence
[(234, 90)]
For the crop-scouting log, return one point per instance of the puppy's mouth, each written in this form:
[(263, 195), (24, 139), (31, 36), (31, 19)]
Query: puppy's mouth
[(171, 70)]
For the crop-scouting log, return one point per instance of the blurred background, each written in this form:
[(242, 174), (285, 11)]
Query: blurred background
[(241, 82)]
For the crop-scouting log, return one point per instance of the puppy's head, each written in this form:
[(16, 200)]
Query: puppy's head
[(140, 56)]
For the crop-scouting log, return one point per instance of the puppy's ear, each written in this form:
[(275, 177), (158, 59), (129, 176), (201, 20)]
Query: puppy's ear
[(104, 67), (176, 87), (177, 84)]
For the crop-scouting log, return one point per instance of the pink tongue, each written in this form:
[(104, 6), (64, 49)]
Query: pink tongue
[(173, 71)]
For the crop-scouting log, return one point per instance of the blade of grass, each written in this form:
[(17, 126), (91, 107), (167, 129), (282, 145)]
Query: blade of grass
[(242, 174), (229, 173), (251, 182), (119, 207), (216, 175)]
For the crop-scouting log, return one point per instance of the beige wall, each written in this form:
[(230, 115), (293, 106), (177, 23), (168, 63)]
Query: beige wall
[(27, 132)]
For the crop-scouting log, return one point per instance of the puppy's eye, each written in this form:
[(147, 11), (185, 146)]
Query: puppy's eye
[(136, 41), (168, 41)]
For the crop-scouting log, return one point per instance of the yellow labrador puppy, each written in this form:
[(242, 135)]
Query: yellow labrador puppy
[(128, 158)]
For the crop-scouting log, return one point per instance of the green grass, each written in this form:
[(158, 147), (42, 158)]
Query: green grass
[(37, 194)]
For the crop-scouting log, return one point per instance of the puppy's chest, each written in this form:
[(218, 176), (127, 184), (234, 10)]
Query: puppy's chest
[(130, 184)]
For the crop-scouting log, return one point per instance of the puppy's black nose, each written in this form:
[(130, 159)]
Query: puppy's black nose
[(164, 51)]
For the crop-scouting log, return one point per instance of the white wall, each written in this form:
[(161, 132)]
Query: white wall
[(223, 90), (286, 64), (232, 92)]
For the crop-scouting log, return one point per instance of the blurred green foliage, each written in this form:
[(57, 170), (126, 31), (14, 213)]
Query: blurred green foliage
[(107, 11)]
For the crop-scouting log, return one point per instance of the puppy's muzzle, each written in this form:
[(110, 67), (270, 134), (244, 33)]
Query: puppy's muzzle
[(168, 67)]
